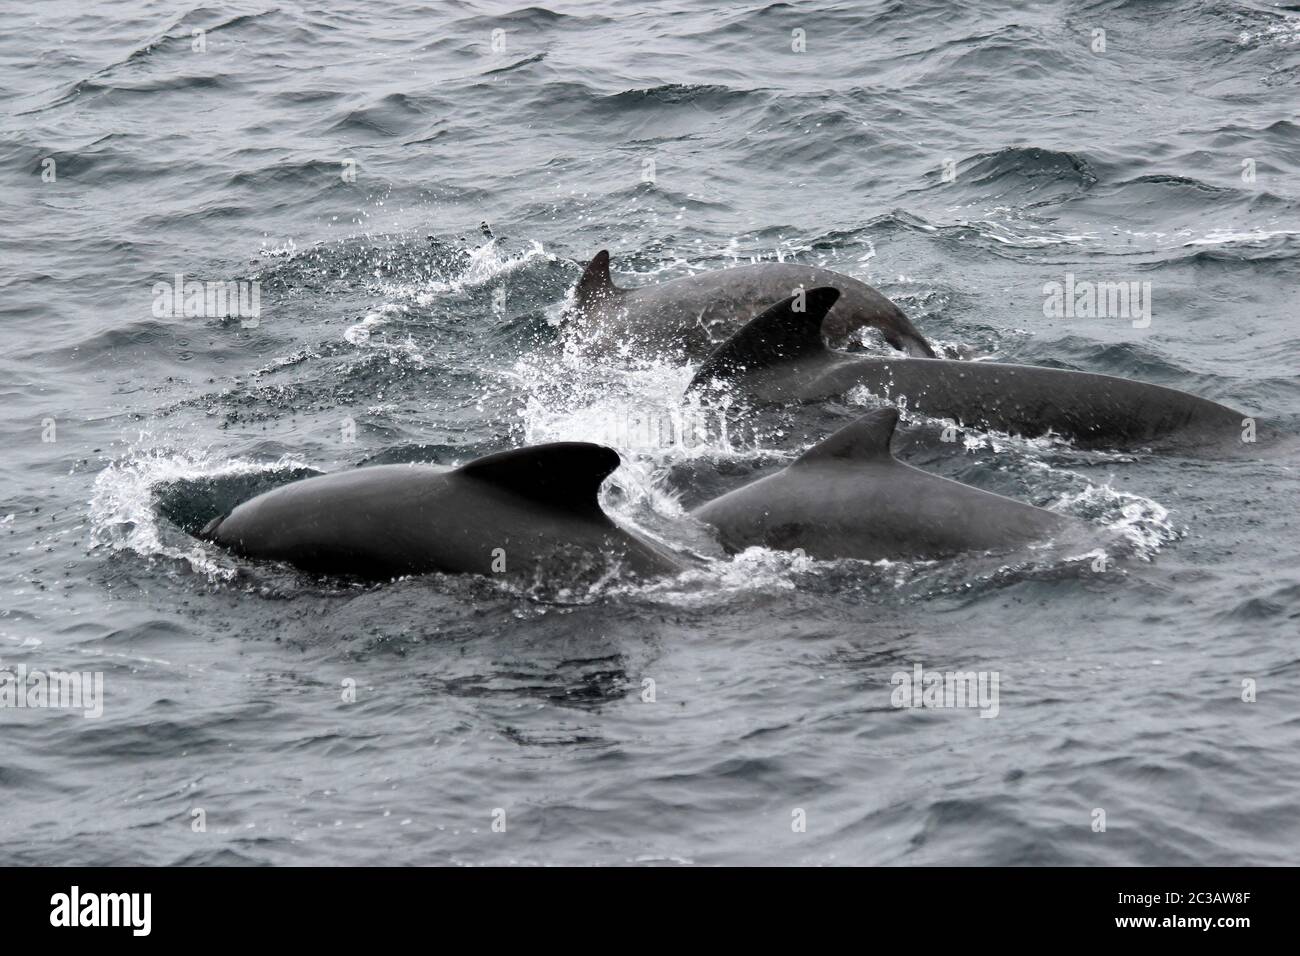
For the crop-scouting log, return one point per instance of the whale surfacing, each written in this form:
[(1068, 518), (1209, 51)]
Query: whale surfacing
[(526, 512), (779, 358), (690, 316), (848, 497)]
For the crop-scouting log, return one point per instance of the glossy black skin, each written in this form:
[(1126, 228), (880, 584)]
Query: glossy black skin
[(689, 317), (1094, 410), (849, 497), (779, 358), (389, 520)]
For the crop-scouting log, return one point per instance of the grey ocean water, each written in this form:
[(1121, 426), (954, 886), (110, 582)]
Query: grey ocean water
[(957, 156)]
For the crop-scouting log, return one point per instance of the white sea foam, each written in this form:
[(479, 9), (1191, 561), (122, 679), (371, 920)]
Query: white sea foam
[(485, 264), (123, 514)]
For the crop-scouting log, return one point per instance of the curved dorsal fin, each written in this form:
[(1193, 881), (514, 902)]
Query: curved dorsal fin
[(866, 439), (781, 333), (565, 475), (595, 283)]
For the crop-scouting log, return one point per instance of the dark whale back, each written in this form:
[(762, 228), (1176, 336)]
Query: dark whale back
[(531, 511), (779, 358), (596, 286), (788, 330), (848, 497), (564, 476), (689, 316)]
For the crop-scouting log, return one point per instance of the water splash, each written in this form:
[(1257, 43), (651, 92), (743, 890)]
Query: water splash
[(1142, 523), (123, 507), (484, 265)]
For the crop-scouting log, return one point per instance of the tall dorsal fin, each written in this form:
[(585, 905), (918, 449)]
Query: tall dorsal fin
[(595, 283), (565, 475), (866, 439), (781, 333)]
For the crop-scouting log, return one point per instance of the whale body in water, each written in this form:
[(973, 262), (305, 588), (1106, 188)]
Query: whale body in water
[(848, 497), (691, 316), (532, 512), (779, 358)]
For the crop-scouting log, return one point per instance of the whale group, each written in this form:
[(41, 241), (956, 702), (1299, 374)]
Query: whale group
[(763, 335)]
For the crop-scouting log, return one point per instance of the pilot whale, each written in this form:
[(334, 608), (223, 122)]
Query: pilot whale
[(848, 497), (779, 358), (689, 317), (527, 512)]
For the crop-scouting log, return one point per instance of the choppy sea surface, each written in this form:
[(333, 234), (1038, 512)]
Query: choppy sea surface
[(343, 156)]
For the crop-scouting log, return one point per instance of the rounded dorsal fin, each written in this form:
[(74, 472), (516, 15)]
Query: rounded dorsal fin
[(866, 439), (788, 330), (563, 475), (595, 283)]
